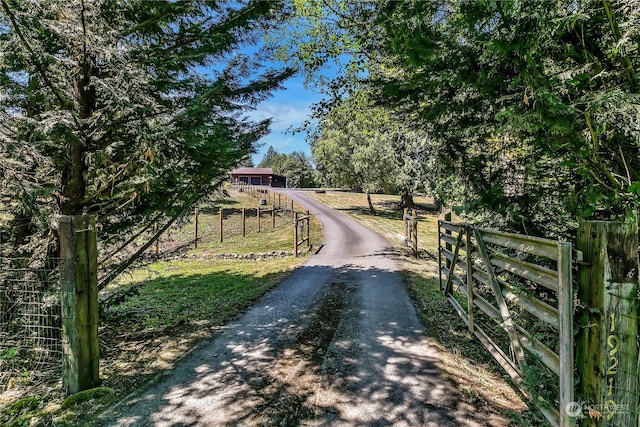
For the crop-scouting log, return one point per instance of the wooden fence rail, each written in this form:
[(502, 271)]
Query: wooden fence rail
[(489, 275)]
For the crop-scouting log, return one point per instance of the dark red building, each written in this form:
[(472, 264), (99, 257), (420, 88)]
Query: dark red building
[(257, 176)]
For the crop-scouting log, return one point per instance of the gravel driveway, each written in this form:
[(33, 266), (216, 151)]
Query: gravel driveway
[(337, 343)]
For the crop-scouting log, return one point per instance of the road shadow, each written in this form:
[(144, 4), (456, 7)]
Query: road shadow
[(312, 355)]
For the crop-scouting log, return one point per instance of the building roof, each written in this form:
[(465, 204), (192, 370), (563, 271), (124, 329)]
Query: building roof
[(252, 171)]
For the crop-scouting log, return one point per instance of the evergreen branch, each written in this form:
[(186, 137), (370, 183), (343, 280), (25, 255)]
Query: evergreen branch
[(149, 223), (122, 267), (110, 184), (153, 20), (237, 19), (187, 41), (65, 104), (627, 64)]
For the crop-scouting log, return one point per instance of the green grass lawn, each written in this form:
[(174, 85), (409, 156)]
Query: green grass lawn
[(194, 291), (153, 315)]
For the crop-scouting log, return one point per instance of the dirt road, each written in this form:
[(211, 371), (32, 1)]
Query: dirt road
[(337, 343)]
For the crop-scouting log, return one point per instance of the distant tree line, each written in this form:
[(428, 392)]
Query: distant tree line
[(295, 166)]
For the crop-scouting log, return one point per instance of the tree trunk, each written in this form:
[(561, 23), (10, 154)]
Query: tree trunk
[(73, 174), (406, 201), (371, 208), (73, 179)]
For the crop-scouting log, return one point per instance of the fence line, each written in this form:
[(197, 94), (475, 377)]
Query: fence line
[(272, 210), (496, 277), (30, 323)]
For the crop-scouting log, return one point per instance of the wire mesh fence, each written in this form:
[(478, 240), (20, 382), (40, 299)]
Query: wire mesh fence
[(30, 323)]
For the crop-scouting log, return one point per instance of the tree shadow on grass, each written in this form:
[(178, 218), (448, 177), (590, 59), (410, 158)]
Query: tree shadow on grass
[(149, 324), (211, 297), (327, 347), (360, 211)]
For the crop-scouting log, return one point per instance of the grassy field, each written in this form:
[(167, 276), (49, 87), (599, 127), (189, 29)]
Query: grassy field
[(481, 381), (154, 315), (180, 236)]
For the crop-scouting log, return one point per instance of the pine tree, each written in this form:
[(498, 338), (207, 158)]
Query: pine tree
[(130, 111), (269, 158)]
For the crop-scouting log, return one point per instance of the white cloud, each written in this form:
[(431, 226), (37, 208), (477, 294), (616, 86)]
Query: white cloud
[(283, 116)]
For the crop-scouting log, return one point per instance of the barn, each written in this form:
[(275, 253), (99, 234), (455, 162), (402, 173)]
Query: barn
[(257, 176)]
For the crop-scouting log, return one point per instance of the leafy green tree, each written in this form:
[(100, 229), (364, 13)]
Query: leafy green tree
[(533, 103), (368, 147), (127, 111), (531, 106), (298, 169), (329, 33), (295, 166), (353, 148)]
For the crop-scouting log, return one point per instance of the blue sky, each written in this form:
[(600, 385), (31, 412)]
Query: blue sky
[(289, 108)]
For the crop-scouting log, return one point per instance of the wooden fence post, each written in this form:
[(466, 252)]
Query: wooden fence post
[(308, 230), (222, 226), (566, 362), (415, 233), (279, 202), (195, 219), (244, 228), (258, 215), (273, 216), (292, 209), (406, 226), (606, 346), (295, 235), (79, 298)]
